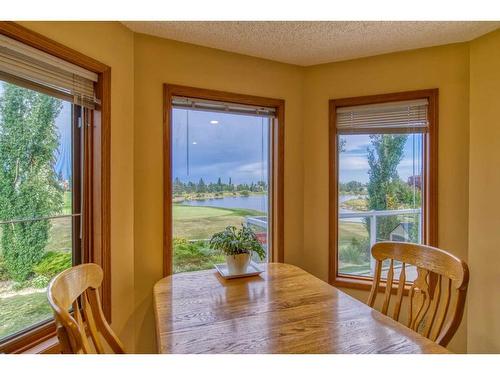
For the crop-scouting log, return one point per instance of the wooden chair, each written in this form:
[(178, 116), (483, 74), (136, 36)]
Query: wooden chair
[(441, 281), (77, 287)]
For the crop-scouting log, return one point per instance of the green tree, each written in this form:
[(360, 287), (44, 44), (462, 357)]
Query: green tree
[(28, 183), (384, 186), (202, 187), (178, 187), (351, 187)]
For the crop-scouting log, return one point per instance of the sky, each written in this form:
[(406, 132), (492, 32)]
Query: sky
[(63, 153), (235, 147), (353, 162)]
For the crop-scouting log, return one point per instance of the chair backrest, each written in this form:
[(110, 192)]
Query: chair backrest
[(77, 288), (436, 298)]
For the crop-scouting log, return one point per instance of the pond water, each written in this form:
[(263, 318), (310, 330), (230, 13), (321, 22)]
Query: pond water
[(252, 202)]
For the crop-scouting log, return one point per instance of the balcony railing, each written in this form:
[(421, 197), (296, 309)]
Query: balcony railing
[(373, 215)]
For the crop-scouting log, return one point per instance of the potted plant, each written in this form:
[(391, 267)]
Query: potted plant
[(237, 245)]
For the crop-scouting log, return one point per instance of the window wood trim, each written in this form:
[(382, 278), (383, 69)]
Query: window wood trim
[(277, 155), (430, 163), (99, 191)]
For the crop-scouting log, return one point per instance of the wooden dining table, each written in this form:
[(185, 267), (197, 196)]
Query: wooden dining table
[(283, 310)]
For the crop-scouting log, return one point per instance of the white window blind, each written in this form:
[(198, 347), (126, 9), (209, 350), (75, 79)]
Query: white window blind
[(216, 106), (28, 66), (403, 116)]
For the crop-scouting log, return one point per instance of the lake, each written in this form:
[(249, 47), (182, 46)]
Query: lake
[(252, 202)]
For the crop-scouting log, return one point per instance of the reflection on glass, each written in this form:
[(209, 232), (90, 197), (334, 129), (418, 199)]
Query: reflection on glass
[(380, 194), (220, 164)]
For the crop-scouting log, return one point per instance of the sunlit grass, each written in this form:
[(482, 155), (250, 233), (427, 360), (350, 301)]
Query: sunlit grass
[(349, 230), (195, 223), (21, 311), (200, 223)]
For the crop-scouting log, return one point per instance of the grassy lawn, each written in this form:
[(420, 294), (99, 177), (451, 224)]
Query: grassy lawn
[(67, 203), (349, 231), (21, 311), (60, 235), (200, 223), (195, 222)]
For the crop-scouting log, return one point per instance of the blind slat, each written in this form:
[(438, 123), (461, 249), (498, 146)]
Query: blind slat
[(215, 106), (29, 64), (408, 116)]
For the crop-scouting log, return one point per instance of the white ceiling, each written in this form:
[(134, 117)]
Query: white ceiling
[(310, 43)]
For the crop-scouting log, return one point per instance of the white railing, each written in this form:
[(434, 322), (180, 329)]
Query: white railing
[(373, 215), (261, 221)]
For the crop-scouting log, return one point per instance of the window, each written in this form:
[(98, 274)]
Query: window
[(53, 184), (224, 171), (38, 238), (383, 173)]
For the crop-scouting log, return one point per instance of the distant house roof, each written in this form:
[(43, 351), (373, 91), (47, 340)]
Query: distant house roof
[(407, 227)]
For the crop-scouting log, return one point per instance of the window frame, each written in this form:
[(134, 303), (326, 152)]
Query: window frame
[(277, 143), (430, 172), (96, 247)]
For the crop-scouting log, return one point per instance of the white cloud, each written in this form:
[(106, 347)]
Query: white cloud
[(353, 162), (252, 168), (356, 142)]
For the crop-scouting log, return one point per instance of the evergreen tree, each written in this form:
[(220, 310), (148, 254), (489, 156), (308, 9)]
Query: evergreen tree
[(191, 187), (178, 187), (28, 182), (202, 187)]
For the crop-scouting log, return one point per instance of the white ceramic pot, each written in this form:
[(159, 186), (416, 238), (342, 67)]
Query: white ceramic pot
[(237, 264)]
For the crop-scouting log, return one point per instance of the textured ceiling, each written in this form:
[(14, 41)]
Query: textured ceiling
[(310, 43)]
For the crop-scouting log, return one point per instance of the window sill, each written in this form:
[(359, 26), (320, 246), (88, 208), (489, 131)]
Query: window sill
[(359, 283), (29, 341), (48, 346), (352, 282)]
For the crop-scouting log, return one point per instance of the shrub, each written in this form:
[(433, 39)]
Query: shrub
[(179, 241), (40, 281), (4, 275), (244, 193), (52, 263), (355, 252), (194, 256), (23, 246)]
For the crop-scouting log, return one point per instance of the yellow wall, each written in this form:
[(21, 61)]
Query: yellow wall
[(112, 44), (484, 206), (446, 68), (141, 64), (159, 61)]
